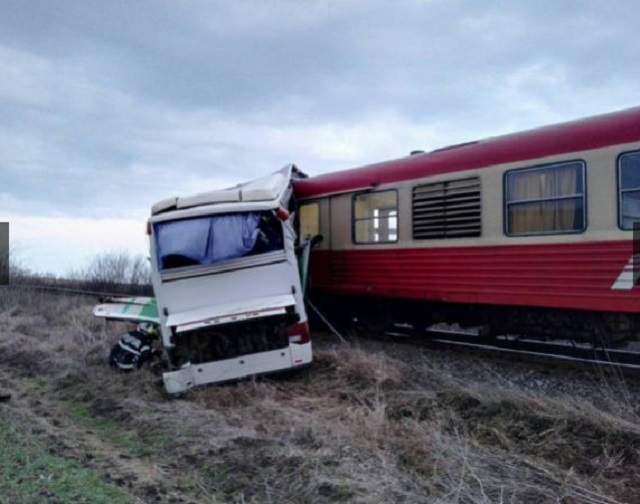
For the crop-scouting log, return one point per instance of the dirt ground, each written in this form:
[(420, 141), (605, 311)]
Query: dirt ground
[(370, 421)]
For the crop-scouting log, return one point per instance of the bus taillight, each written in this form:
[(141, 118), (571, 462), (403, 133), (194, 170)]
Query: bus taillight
[(299, 333)]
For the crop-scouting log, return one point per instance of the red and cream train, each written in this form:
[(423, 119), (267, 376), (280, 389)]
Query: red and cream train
[(530, 231)]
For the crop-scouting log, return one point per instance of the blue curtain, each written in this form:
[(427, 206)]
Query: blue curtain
[(206, 240)]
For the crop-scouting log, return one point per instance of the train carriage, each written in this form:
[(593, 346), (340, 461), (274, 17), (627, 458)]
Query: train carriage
[(529, 231)]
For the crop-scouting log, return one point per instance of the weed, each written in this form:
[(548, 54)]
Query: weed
[(30, 472)]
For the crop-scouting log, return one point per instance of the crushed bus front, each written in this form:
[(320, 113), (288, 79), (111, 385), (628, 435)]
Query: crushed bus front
[(227, 284)]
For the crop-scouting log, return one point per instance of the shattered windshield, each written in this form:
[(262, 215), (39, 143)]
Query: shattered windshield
[(216, 238)]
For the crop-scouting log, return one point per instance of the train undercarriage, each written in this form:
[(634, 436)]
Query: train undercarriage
[(375, 315)]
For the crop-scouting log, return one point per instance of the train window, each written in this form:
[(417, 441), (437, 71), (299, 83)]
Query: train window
[(546, 200), (629, 189), (309, 220), (375, 217), (448, 209)]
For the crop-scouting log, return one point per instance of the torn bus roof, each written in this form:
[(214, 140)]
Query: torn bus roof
[(132, 309), (270, 189)]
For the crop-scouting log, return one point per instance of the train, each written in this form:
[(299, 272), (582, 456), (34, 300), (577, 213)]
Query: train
[(530, 232)]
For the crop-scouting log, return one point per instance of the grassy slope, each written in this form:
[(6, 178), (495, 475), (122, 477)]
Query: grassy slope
[(369, 422), (29, 472)]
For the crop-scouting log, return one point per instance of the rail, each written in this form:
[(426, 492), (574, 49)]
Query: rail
[(627, 361), (73, 291)]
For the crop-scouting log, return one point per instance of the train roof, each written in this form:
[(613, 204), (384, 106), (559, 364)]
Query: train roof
[(583, 134)]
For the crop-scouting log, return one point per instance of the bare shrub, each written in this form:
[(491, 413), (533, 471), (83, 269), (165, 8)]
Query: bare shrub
[(113, 269), (109, 273)]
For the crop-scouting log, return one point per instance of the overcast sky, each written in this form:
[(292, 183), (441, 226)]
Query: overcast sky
[(108, 106)]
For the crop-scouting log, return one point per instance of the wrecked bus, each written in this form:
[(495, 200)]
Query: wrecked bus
[(226, 282)]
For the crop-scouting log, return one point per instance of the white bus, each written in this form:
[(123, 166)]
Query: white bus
[(226, 283)]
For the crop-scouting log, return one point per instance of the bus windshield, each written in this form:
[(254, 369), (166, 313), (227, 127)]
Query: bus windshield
[(203, 241)]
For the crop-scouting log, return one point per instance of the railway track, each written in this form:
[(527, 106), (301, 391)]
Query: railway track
[(522, 348), (56, 289)]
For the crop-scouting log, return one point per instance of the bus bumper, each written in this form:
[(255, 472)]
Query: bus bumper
[(191, 375)]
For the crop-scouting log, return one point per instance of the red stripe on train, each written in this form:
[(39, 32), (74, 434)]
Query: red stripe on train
[(576, 275)]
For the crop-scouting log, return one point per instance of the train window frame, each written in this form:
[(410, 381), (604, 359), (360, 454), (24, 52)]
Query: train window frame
[(354, 219), (619, 190), (299, 217), (506, 203)]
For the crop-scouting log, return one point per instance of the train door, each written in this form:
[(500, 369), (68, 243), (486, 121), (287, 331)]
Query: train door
[(317, 217), (309, 220), (340, 222)]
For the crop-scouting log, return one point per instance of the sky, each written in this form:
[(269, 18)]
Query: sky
[(109, 106)]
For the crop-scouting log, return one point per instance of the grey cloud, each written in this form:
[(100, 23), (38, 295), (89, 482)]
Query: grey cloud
[(108, 106)]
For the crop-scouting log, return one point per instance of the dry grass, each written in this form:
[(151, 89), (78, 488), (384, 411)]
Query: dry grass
[(367, 423)]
